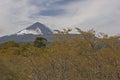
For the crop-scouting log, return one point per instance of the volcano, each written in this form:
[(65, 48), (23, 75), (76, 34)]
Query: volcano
[(30, 33), (36, 29)]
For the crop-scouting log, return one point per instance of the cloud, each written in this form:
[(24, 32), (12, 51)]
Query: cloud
[(14, 13), (102, 15)]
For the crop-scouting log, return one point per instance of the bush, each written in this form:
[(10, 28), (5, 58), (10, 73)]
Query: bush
[(9, 44), (40, 42)]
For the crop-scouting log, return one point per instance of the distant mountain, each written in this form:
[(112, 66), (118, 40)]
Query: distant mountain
[(36, 29), (30, 33)]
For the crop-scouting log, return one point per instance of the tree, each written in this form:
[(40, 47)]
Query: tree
[(40, 42), (89, 36)]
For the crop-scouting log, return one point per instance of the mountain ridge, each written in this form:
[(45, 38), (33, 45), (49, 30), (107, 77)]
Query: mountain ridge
[(30, 33)]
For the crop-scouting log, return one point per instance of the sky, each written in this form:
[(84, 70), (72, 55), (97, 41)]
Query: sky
[(101, 15)]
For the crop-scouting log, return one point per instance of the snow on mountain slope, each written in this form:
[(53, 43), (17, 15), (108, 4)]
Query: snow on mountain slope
[(36, 31)]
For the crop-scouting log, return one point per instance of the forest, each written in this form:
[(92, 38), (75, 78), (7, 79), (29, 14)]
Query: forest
[(86, 56)]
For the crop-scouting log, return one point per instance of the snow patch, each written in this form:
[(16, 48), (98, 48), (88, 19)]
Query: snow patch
[(36, 31)]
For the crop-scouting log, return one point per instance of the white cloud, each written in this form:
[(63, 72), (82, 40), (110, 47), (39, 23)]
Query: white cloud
[(102, 15), (13, 14)]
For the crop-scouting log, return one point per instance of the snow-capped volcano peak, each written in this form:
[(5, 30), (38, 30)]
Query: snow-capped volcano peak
[(36, 29)]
